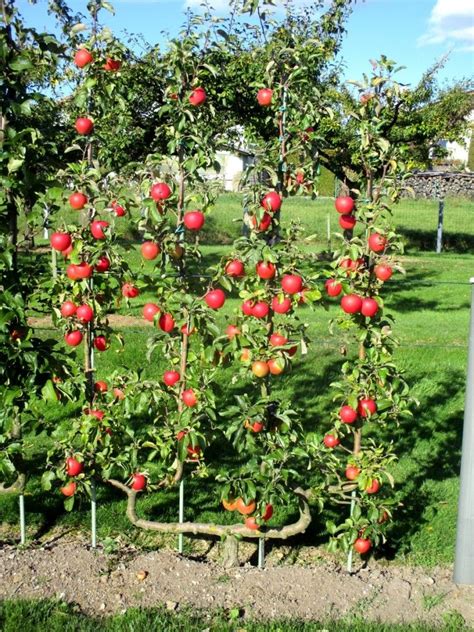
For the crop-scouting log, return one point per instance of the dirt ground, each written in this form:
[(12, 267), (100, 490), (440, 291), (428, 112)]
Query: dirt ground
[(310, 587)]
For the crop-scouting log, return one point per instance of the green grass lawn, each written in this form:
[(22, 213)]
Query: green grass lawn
[(431, 310)]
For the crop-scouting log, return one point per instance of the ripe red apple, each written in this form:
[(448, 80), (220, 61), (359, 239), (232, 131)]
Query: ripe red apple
[(251, 523), (98, 414), (260, 368), (100, 343), (118, 393), (277, 340), (160, 191), (271, 202), (69, 489), (73, 466), (383, 271), (129, 290), (264, 222), (186, 331), (194, 220), (333, 288), (344, 204), (117, 208), (166, 323), (60, 241), (138, 482), (150, 250), (347, 222), (112, 65), (83, 270), (369, 307), (377, 242), (100, 386), (149, 311), (84, 125), (352, 472), (67, 252), (97, 228), (374, 487), (232, 331), (256, 426), (264, 96), (367, 406), (85, 313), (189, 397), (347, 415), (350, 265), (215, 299), (78, 200), (194, 452), (82, 58), (330, 441), (171, 377), (68, 309), (197, 96), (235, 268), (247, 307), (102, 265), (265, 270), (268, 512), (351, 303), (260, 309), (276, 366), (281, 305), (73, 338), (292, 283), (362, 545)]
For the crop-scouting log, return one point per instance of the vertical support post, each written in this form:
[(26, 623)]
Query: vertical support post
[(328, 230), (21, 502), (350, 553), (464, 557), (439, 236), (54, 263), (93, 515), (181, 514), (45, 222), (261, 552)]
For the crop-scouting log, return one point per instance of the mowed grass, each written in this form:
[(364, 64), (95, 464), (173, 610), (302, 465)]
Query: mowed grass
[(431, 310)]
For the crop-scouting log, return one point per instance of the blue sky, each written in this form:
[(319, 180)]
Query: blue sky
[(412, 32)]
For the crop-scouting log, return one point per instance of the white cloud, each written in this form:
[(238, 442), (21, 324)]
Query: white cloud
[(452, 22)]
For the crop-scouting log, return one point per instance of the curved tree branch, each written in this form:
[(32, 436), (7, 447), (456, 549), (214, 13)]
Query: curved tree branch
[(196, 528), (16, 487)]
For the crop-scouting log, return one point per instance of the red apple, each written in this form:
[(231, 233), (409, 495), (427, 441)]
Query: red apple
[(281, 305), (150, 310), (194, 220), (84, 125), (352, 472), (189, 397), (78, 200), (251, 523), (264, 222), (129, 290), (369, 307), (197, 96), (383, 271), (247, 307), (160, 191), (347, 222), (60, 241), (112, 65), (235, 268), (347, 415), (166, 323), (292, 283), (97, 228), (271, 202), (366, 407), (117, 208), (260, 309), (333, 288), (73, 467), (100, 343), (268, 512), (82, 58), (276, 366), (264, 96), (362, 545), (100, 386), (102, 265), (215, 299), (73, 338), (330, 441), (232, 331), (69, 489), (150, 250), (351, 303), (377, 242), (68, 309), (138, 482), (265, 270), (374, 487), (344, 204), (278, 340), (85, 313), (98, 414), (118, 393), (171, 377)]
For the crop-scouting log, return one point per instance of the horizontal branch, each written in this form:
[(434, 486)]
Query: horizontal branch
[(217, 530), (16, 487)]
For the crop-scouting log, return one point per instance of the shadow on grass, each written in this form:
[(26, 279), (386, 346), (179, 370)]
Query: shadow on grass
[(425, 240)]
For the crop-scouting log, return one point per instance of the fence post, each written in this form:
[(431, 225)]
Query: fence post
[(464, 559), (439, 237)]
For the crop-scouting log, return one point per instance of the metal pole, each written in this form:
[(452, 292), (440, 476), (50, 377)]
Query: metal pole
[(21, 501), (351, 551), (181, 514), (328, 227), (93, 515), (464, 558), (261, 553), (46, 222), (439, 238)]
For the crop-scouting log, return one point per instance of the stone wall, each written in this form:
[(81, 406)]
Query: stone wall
[(435, 184)]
